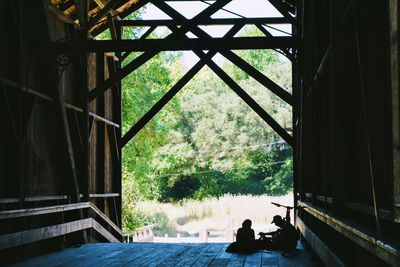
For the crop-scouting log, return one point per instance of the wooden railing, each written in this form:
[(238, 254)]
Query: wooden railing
[(43, 198), (143, 234), (95, 220)]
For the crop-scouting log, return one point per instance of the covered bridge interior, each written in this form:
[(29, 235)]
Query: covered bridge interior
[(60, 103)]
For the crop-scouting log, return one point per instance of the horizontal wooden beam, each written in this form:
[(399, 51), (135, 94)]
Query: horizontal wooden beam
[(143, 58), (43, 233), (319, 247), (9, 200), (35, 93), (239, 43), (203, 22), (8, 214), (364, 237), (173, 91), (106, 195), (30, 236), (11, 214), (324, 199), (382, 213), (106, 121), (49, 99)]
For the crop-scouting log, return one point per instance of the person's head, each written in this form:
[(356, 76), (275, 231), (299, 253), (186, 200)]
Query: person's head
[(278, 221), (246, 223)]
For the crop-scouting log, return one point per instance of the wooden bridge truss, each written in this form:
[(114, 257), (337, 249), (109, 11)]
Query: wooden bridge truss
[(339, 55)]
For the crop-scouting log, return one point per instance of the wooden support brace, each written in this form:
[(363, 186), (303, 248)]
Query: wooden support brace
[(228, 80), (204, 22), (280, 6), (119, 75), (261, 78), (97, 29), (248, 100), (173, 44), (139, 61), (285, 51), (258, 76), (394, 64), (144, 36), (107, 8), (173, 91), (162, 102)]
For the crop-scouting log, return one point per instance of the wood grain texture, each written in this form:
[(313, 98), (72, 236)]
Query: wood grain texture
[(164, 254)]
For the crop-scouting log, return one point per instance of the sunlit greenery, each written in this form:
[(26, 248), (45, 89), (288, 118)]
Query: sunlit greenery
[(206, 142)]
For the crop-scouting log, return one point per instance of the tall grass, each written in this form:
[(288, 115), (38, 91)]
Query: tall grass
[(227, 212)]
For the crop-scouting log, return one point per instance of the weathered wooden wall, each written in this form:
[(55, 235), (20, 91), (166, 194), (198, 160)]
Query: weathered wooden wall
[(40, 137), (345, 145)]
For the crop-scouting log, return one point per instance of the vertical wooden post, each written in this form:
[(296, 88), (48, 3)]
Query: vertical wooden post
[(83, 13), (394, 65), (338, 159), (295, 111), (100, 140), (24, 56), (203, 235), (117, 185)]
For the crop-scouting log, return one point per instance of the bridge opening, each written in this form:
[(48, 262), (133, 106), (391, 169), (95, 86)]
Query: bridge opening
[(67, 134), (206, 143)]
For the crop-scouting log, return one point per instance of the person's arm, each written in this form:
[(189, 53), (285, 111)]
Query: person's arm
[(253, 236), (273, 233), (269, 233)]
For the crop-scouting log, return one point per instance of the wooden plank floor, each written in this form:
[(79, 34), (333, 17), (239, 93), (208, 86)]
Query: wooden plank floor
[(163, 254)]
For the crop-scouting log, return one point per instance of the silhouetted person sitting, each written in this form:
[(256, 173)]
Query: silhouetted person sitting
[(284, 239), (245, 240)]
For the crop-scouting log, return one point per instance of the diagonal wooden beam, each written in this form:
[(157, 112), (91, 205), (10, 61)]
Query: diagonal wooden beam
[(172, 92), (144, 36), (280, 6), (139, 61), (98, 27), (247, 99), (228, 80), (258, 76), (103, 12), (162, 102), (261, 78), (119, 75), (285, 51)]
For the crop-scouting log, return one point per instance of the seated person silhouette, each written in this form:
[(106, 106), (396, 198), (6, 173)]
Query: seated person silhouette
[(245, 240), (284, 239)]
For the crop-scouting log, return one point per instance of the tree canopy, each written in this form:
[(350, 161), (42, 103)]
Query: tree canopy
[(207, 141)]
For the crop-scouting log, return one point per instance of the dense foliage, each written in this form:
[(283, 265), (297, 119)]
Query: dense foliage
[(206, 141)]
